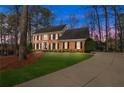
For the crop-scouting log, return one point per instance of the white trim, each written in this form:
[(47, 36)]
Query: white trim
[(51, 36), (39, 45), (56, 45), (51, 46), (35, 46)]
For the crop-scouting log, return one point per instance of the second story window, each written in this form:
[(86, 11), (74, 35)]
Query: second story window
[(54, 36), (45, 37), (34, 38), (37, 37)]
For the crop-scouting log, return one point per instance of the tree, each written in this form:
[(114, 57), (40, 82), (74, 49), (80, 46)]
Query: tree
[(90, 45), (23, 34), (40, 17), (91, 22), (16, 29), (106, 24), (98, 20), (73, 21), (120, 32), (2, 32), (114, 9)]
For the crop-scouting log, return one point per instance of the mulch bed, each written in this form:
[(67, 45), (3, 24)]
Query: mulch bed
[(10, 62)]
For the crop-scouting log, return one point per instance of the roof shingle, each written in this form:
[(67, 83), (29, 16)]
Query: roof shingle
[(79, 33), (51, 29)]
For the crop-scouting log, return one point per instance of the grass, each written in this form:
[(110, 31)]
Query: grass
[(51, 62)]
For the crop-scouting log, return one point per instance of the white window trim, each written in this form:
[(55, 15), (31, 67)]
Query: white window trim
[(56, 45), (51, 46), (39, 45), (51, 37), (35, 46)]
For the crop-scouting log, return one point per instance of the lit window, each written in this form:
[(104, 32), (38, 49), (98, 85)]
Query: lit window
[(45, 37), (56, 36), (78, 45), (65, 45)]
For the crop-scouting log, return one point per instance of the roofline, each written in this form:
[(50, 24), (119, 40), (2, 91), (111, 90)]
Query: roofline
[(46, 32), (72, 39), (51, 31)]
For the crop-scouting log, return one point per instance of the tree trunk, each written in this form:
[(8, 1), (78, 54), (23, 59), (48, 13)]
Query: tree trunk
[(115, 13), (29, 29), (2, 35), (16, 30), (120, 34), (23, 37), (99, 27), (114, 9), (106, 25)]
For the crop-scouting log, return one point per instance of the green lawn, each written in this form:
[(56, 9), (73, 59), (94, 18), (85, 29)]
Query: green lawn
[(51, 62)]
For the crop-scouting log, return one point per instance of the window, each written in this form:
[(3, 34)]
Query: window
[(56, 36), (34, 38), (41, 37), (81, 45), (37, 46), (66, 45), (37, 37), (78, 45), (54, 45), (45, 37)]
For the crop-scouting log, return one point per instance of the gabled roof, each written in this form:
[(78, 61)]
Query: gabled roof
[(51, 29), (79, 33)]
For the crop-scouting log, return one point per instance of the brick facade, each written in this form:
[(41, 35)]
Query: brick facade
[(62, 40)]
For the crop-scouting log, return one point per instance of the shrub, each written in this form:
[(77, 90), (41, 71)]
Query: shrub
[(29, 48), (90, 45)]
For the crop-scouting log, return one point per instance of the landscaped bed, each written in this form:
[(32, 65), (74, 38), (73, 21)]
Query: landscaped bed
[(51, 62)]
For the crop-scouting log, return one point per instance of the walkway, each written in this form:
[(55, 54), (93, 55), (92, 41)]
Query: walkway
[(104, 69)]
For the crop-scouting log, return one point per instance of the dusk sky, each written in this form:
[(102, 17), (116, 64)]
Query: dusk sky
[(62, 12)]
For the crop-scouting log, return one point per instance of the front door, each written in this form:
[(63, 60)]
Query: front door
[(45, 46)]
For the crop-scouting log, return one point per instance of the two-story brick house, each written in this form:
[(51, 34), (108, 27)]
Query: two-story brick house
[(59, 38)]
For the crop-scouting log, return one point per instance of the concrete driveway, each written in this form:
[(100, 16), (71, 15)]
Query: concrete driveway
[(103, 69)]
